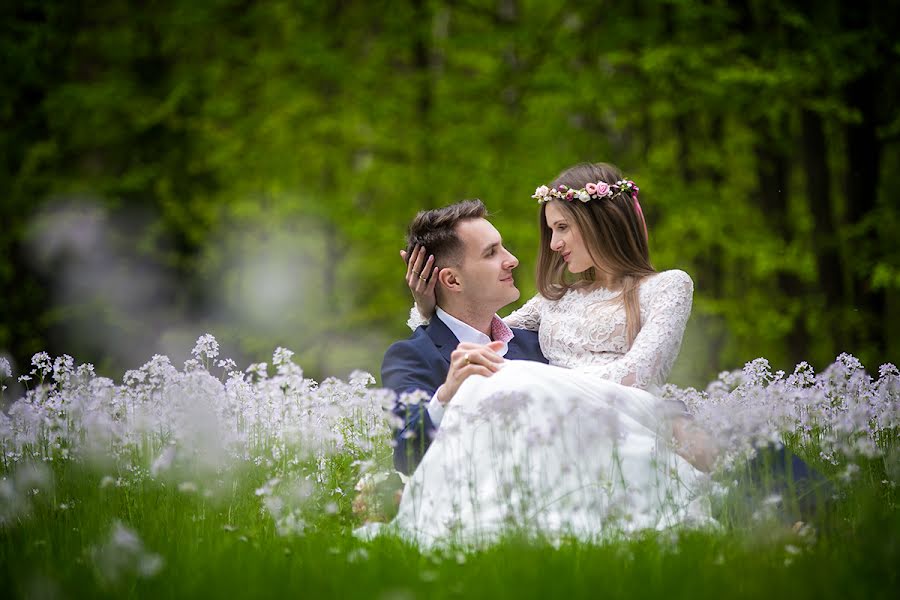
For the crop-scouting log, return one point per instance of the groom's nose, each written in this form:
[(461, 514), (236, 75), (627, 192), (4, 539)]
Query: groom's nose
[(511, 261)]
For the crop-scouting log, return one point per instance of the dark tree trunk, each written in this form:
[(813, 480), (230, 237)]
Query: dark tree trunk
[(49, 28), (772, 173), (863, 152), (773, 169), (830, 266), (861, 188), (821, 205)]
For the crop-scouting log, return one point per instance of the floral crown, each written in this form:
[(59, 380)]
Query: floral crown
[(591, 191)]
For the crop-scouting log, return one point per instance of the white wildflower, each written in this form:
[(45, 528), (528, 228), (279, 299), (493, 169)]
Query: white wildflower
[(228, 365), (206, 348), (163, 462), (290, 524), (268, 487), (123, 554), (849, 472), (42, 363), (357, 555), (281, 356), (5, 367)]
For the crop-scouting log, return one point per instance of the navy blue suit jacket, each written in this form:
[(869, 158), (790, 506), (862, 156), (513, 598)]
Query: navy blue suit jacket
[(421, 363)]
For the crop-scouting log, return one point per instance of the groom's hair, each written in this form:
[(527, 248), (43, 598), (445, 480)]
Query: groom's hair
[(436, 230)]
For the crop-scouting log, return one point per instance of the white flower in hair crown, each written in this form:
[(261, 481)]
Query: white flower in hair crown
[(591, 191)]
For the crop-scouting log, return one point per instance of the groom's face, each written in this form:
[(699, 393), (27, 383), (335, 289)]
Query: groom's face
[(486, 269)]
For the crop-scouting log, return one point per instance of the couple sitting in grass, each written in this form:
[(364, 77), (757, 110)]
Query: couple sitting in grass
[(547, 422)]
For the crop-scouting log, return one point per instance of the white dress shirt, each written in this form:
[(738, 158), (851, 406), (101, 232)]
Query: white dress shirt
[(464, 333)]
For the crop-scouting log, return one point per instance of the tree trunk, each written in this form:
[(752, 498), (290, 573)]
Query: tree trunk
[(863, 152), (830, 267), (821, 205), (773, 175), (861, 188)]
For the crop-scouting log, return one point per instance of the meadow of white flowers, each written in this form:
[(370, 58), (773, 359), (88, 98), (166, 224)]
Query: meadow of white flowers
[(194, 425), (840, 415), (165, 423)]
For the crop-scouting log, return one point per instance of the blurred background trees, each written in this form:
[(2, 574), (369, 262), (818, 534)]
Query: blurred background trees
[(174, 167)]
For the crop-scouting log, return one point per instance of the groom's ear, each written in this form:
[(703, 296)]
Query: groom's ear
[(448, 278)]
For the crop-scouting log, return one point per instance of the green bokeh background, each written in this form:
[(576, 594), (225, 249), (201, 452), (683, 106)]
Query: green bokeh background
[(177, 167)]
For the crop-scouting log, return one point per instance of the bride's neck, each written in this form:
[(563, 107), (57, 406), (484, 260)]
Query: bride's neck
[(606, 281)]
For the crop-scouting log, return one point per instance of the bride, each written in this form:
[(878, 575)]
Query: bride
[(579, 447)]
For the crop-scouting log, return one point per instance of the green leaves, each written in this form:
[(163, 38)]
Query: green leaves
[(216, 119)]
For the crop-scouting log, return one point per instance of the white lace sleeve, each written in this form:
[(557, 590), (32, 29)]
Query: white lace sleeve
[(527, 317), (415, 318), (651, 356)]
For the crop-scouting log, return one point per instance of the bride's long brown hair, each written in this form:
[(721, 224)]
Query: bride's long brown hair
[(614, 234)]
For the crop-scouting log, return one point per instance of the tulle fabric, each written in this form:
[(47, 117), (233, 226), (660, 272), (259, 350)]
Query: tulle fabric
[(550, 453)]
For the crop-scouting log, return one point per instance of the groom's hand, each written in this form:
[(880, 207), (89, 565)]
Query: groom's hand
[(469, 359)]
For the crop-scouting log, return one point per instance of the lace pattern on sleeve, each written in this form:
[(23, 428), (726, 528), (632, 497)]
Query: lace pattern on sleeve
[(415, 318), (649, 360), (528, 317)]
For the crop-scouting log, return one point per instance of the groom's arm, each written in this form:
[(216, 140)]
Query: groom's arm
[(416, 365), (410, 367)]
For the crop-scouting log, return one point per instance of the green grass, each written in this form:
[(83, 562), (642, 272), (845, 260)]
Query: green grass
[(226, 545)]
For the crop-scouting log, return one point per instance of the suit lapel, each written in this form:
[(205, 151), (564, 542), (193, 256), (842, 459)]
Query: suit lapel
[(446, 342), (442, 337)]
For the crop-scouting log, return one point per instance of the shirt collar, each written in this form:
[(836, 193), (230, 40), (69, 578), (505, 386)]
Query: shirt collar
[(466, 333)]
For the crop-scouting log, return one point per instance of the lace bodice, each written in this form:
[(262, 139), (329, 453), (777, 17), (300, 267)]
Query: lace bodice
[(586, 331)]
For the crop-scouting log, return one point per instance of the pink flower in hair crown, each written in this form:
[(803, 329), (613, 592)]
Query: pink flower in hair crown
[(591, 191), (541, 192)]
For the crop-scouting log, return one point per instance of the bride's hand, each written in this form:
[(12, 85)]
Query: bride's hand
[(421, 279)]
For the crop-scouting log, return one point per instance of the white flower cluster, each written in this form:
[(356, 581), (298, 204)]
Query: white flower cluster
[(160, 418), (124, 554), (840, 414), (5, 368), (19, 486)]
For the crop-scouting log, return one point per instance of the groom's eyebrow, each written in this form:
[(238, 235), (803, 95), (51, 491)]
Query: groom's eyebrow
[(489, 247)]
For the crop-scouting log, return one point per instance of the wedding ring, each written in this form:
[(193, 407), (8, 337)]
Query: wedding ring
[(423, 278), (466, 358)]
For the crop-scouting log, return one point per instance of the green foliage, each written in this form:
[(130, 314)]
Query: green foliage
[(224, 138)]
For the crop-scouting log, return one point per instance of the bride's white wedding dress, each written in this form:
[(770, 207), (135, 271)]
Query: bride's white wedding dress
[(576, 447)]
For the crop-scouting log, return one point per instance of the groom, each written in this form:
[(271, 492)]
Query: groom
[(466, 337)]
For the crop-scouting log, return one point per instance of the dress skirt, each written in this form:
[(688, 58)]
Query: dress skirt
[(550, 453)]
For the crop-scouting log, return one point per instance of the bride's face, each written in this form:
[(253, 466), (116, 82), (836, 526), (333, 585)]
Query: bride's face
[(566, 239)]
